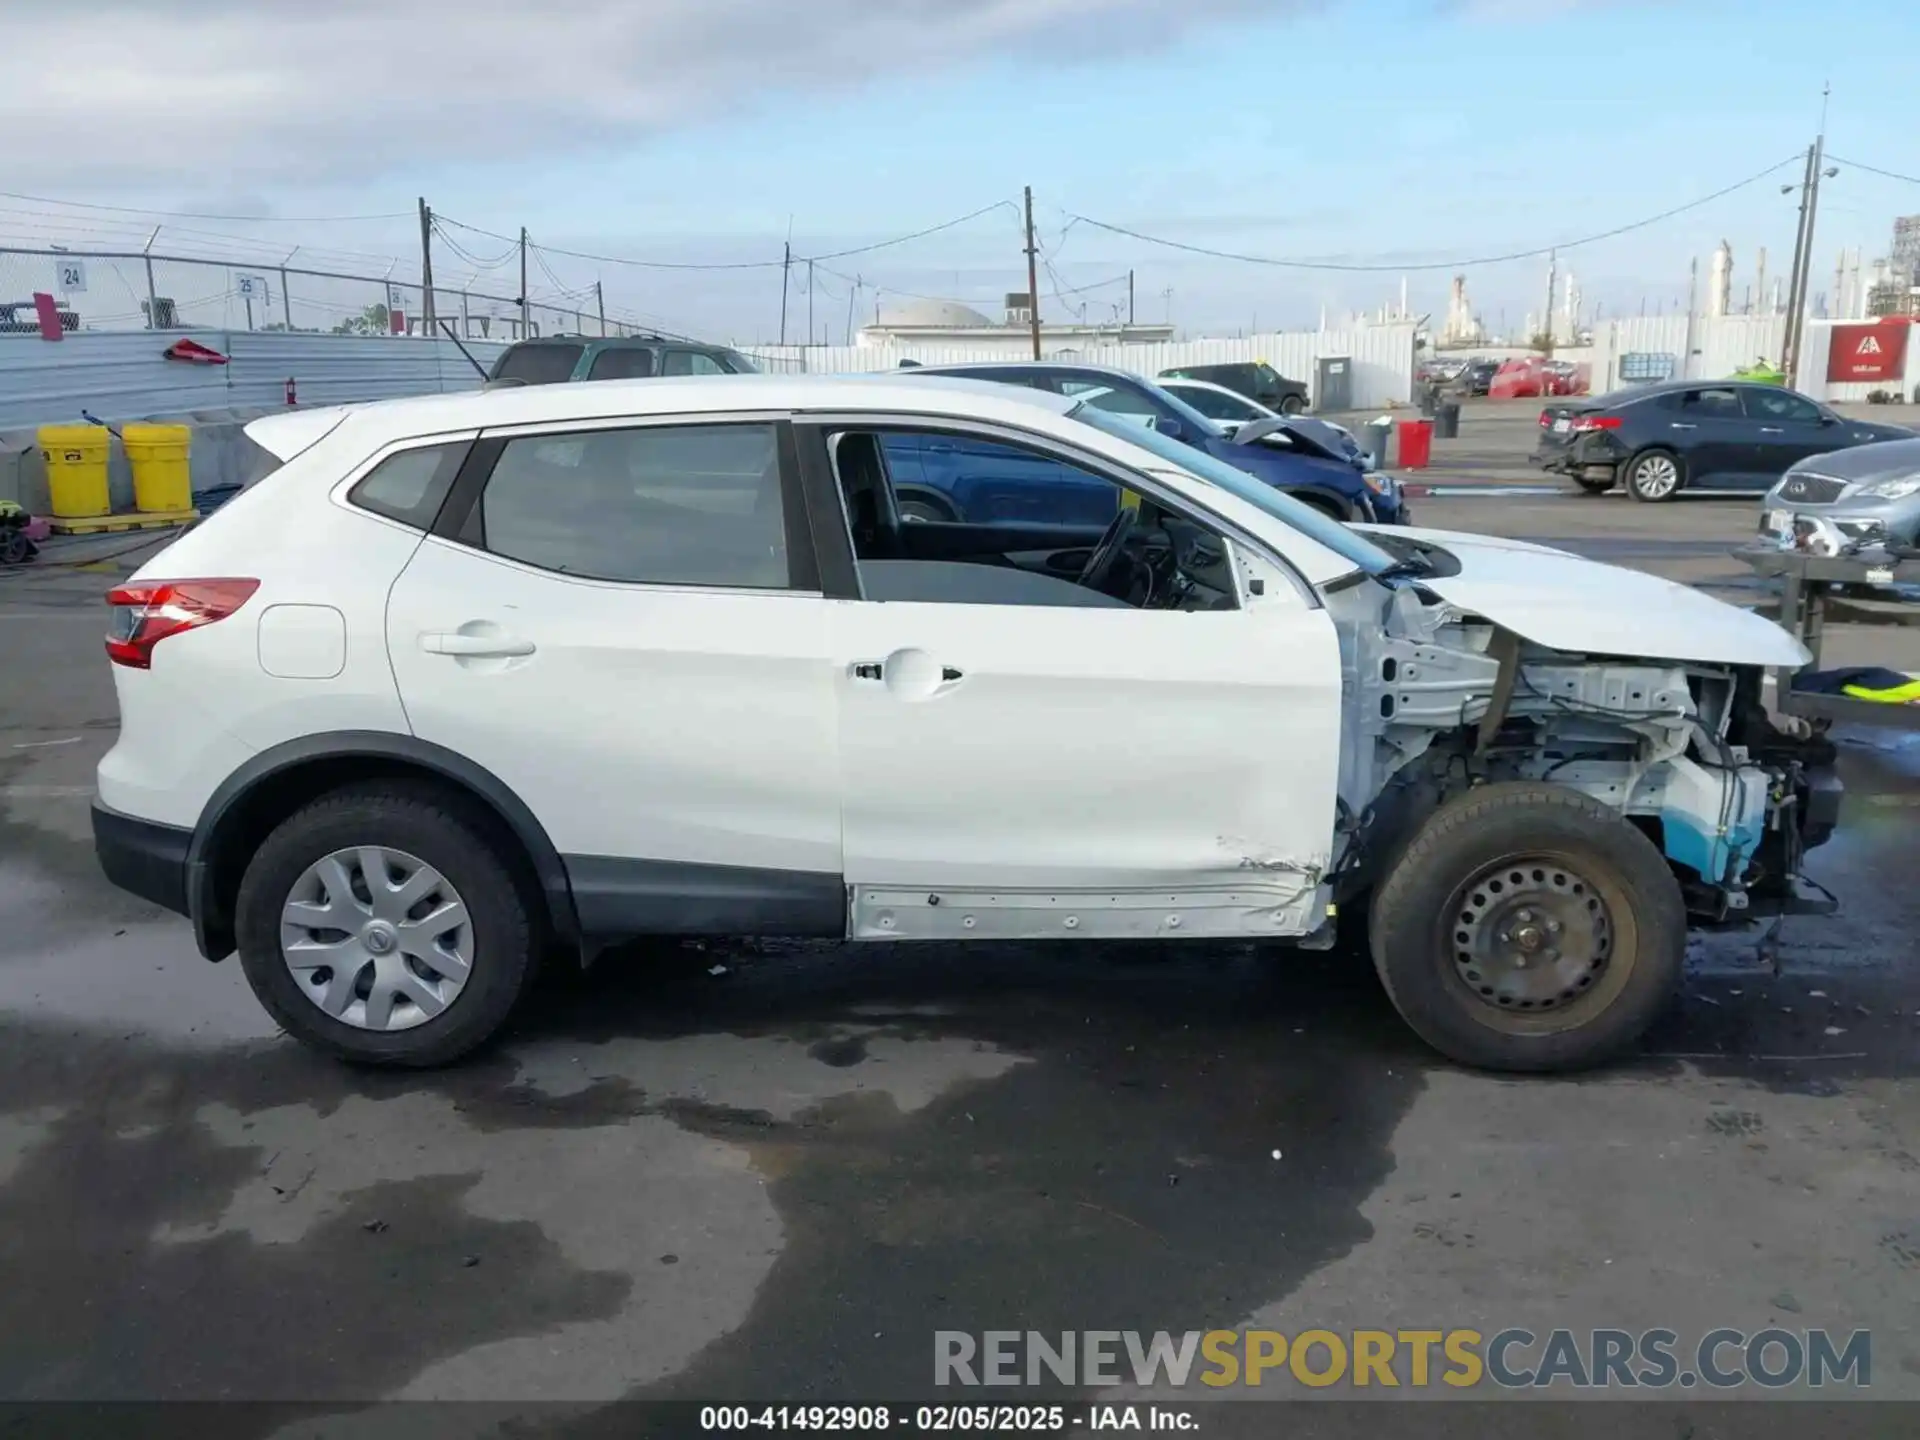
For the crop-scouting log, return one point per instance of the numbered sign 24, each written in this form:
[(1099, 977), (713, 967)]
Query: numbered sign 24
[(70, 277)]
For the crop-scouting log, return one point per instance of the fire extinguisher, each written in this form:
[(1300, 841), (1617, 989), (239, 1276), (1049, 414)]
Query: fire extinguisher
[(290, 395)]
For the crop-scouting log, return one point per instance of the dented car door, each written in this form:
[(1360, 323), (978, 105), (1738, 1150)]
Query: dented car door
[(1013, 771)]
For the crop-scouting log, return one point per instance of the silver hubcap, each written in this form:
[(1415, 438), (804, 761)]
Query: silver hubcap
[(377, 938), (1658, 475)]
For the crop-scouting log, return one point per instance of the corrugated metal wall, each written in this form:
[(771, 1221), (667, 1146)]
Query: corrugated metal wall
[(1723, 344), (126, 377), (1382, 356)]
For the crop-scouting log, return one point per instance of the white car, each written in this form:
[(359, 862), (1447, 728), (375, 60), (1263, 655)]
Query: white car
[(476, 677)]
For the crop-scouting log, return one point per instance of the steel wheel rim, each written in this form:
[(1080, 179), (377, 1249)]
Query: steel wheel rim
[(376, 938), (1658, 475), (1531, 935)]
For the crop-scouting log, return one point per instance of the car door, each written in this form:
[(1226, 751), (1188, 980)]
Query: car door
[(1069, 765), (621, 622), (1707, 427), (1789, 427)]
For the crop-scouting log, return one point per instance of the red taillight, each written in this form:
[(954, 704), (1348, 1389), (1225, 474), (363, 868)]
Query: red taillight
[(1546, 418), (144, 615), (1596, 422)]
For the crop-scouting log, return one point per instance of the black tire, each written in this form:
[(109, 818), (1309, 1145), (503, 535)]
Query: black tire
[(1570, 850), (1293, 405), (1592, 486), (919, 506), (457, 841), (1332, 509), (1637, 475)]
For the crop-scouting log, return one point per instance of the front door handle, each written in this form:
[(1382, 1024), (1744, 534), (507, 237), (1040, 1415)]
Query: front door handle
[(909, 674), (452, 642), (1771, 430), (1682, 425)]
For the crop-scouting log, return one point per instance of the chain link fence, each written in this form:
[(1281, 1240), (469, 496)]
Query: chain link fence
[(110, 290)]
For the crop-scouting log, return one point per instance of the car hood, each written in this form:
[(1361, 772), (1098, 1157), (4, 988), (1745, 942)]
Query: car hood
[(1881, 460), (1285, 467), (1566, 603)]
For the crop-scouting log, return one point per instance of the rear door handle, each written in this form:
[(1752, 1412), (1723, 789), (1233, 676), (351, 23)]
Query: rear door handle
[(1682, 425), (1771, 430), (452, 642)]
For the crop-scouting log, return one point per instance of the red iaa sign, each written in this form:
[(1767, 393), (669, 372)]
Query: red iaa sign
[(1868, 352)]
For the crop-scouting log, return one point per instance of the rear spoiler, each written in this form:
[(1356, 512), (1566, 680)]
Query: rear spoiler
[(287, 435)]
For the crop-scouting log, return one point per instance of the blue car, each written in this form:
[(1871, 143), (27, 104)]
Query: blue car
[(980, 482)]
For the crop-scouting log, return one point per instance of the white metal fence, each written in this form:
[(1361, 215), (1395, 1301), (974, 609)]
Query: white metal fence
[(1382, 357), (128, 377), (1709, 347)]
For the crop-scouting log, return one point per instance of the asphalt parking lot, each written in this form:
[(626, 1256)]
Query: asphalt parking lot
[(774, 1171)]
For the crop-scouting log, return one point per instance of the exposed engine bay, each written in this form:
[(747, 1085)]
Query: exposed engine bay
[(1687, 752)]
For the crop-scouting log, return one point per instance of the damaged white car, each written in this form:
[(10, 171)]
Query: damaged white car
[(544, 669)]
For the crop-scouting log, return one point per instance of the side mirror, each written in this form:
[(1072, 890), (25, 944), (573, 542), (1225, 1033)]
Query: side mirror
[(1829, 419), (1170, 427)]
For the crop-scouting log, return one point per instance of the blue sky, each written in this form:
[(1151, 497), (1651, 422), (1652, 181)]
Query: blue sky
[(1380, 131)]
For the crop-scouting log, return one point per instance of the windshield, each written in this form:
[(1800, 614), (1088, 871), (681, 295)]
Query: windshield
[(1348, 544)]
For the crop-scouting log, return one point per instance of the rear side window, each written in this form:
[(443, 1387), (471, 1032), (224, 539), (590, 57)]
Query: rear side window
[(663, 505), (1709, 404), (622, 365), (411, 485), (538, 364), (738, 363), (691, 362)]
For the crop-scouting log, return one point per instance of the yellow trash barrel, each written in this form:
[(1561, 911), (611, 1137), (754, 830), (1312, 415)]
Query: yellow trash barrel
[(76, 457), (157, 455)]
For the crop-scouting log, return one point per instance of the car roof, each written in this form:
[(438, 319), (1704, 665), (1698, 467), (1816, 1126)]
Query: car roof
[(983, 367), (383, 421)]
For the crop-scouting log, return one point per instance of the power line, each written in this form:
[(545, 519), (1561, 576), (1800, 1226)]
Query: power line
[(1462, 264), (195, 215), (1875, 170), (740, 264)]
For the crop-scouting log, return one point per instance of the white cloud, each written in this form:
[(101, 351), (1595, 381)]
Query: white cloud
[(206, 94)]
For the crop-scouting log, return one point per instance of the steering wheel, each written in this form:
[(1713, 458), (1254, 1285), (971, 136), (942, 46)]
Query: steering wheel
[(1110, 550)]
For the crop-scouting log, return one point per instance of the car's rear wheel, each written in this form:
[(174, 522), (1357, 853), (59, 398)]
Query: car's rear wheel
[(1593, 485), (1528, 927), (1293, 405), (1654, 476), (383, 925)]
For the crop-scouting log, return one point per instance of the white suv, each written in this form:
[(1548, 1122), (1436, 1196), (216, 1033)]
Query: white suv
[(474, 678)]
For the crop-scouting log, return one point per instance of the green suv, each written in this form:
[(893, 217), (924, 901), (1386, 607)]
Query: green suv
[(557, 359)]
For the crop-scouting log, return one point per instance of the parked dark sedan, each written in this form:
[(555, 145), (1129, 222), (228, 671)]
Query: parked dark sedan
[(1335, 483), (1255, 379), (1657, 440), (1476, 377)]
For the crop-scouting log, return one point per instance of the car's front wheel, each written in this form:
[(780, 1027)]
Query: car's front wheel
[(1528, 927), (1654, 476), (383, 925)]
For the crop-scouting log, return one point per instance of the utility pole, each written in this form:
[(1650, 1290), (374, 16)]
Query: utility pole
[(426, 267), (1693, 295), (786, 265), (1803, 263), (1129, 297), (1033, 279), (809, 302), (153, 300), (600, 304), (852, 295), (523, 282)]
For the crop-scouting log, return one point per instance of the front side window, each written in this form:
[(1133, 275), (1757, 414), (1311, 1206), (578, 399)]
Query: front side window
[(410, 485), (542, 364), (1780, 407), (1350, 545), (662, 505)]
